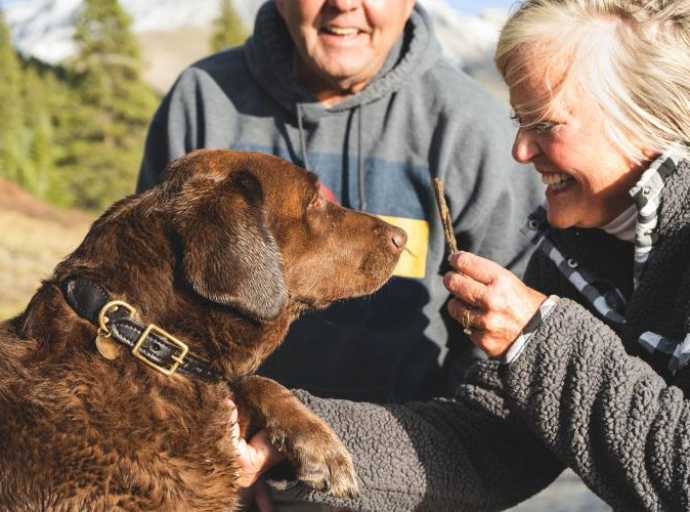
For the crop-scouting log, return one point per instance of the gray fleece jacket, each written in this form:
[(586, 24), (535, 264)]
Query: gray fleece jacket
[(376, 151), (587, 392)]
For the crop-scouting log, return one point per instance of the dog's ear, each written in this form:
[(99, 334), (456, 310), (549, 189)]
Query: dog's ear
[(231, 257)]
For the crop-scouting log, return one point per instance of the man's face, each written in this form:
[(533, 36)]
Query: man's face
[(342, 44)]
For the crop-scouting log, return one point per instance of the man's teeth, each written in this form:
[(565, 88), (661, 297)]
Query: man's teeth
[(342, 31), (555, 180)]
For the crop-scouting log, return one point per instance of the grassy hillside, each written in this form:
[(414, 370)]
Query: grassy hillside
[(34, 237)]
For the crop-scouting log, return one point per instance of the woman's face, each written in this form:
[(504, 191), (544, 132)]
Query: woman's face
[(587, 177)]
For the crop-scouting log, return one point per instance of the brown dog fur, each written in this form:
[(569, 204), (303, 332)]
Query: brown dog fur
[(228, 250)]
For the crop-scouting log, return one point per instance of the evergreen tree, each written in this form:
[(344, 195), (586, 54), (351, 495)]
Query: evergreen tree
[(228, 28), (11, 122), (105, 152), (39, 161)]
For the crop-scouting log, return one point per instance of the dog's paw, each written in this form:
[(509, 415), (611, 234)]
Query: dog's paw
[(318, 458)]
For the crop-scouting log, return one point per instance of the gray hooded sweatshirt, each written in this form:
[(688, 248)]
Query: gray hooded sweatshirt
[(376, 151)]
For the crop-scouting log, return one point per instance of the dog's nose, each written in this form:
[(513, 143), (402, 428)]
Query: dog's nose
[(398, 238)]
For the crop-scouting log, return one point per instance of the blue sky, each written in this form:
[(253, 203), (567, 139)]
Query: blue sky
[(477, 6), (466, 6)]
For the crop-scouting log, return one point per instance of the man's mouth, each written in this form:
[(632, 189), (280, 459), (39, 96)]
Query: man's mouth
[(556, 180), (341, 31)]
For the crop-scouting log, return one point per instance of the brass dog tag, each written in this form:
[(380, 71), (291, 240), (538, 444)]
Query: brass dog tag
[(107, 348)]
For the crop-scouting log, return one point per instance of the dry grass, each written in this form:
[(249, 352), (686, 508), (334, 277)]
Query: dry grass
[(167, 53), (33, 239)]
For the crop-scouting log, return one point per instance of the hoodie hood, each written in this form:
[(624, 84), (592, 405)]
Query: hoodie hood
[(269, 56)]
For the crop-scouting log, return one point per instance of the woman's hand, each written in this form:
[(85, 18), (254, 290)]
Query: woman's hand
[(491, 303), (256, 456)]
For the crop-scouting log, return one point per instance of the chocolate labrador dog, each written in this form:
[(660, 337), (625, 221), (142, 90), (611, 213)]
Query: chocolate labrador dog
[(115, 382)]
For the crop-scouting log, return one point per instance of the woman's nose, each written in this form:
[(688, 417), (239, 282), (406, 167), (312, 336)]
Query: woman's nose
[(525, 147)]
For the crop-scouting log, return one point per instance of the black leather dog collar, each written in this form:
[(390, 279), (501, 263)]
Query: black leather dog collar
[(150, 344)]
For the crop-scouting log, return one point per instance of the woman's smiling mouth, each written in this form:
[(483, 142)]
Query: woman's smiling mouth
[(556, 180)]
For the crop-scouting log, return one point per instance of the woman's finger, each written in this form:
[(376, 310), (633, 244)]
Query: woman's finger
[(234, 424), (464, 313), (255, 457), (478, 268), (465, 288)]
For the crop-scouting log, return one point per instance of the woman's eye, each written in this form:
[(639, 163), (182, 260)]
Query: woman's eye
[(515, 119), (543, 127), (546, 127)]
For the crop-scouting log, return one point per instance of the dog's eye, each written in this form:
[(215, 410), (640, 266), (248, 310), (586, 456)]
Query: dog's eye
[(317, 203)]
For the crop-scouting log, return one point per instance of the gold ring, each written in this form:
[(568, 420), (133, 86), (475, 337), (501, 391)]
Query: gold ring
[(466, 323)]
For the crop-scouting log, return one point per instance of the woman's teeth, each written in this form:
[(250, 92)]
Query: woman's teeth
[(555, 180)]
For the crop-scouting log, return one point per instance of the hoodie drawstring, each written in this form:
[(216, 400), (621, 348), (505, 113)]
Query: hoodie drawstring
[(360, 161), (360, 154), (302, 138)]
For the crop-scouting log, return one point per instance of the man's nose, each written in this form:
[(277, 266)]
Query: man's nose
[(525, 147), (345, 5)]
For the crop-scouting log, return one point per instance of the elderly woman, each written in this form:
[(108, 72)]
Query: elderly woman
[(589, 356)]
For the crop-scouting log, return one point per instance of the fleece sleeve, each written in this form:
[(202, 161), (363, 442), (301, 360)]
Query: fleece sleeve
[(606, 414), (469, 453)]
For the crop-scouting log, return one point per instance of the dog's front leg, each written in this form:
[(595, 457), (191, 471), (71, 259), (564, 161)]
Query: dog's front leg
[(316, 454)]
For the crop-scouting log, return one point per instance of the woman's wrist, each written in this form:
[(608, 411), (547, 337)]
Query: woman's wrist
[(533, 324)]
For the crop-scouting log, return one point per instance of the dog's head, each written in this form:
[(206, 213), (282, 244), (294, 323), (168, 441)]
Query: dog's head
[(257, 235), (229, 248)]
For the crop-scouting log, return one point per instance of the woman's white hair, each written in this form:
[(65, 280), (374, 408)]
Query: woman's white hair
[(632, 56)]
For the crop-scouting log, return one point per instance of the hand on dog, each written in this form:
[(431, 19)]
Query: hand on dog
[(256, 456), (491, 300), (316, 456)]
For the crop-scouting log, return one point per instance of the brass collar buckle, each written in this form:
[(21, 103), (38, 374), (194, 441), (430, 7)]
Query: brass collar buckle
[(164, 336), (117, 326), (179, 358)]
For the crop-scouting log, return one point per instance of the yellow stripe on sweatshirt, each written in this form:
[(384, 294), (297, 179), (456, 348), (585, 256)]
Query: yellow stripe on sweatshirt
[(413, 260)]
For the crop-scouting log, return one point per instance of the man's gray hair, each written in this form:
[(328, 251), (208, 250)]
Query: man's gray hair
[(632, 56)]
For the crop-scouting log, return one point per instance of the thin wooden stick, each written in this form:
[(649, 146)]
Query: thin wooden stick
[(446, 219)]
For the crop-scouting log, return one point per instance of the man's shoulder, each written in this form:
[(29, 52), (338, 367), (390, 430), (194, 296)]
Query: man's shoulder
[(453, 90), (220, 66)]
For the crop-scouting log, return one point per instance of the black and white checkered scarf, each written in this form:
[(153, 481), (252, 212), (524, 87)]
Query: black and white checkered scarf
[(606, 298)]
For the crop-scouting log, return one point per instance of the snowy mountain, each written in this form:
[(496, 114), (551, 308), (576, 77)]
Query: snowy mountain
[(469, 40), (43, 29)]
